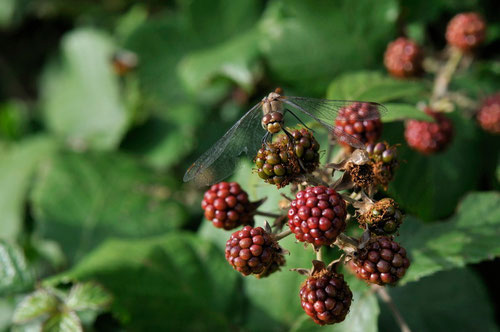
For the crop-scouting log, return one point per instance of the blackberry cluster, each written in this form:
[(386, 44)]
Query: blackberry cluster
[(227, 206), (326, 297), (466, 31), (317, 215), (304, 147), (384, 162), (429, 137), (254, 251), (403, 58), (382, 261), (351, 119), (283, 161), (383, 217), (488, 115)]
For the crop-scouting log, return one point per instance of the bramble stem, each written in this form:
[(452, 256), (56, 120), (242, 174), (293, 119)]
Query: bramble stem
[(384, 296), (319, 254), (445, 74), (267, 214), (282, 235), (346, 243)]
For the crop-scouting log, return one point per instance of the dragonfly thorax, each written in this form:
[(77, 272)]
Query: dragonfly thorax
[(272, 109)]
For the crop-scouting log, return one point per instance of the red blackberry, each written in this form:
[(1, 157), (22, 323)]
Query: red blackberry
[(466, 31), (254, 251), (382, 217), (382, 261), (488, 115), (325, 297), (351, 121), (317, 215), (403, 58), (227, 206), (429, 137)]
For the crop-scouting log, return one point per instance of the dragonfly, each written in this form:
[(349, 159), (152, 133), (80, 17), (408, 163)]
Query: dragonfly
[(264, 120)]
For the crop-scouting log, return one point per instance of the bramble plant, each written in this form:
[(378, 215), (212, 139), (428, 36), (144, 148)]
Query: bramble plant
[(361, 195)]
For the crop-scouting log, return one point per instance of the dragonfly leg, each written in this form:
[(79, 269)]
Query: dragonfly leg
[(265, 138), (298, 119)]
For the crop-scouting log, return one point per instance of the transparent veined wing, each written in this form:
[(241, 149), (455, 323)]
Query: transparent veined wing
[(218, 162), (326, 111)]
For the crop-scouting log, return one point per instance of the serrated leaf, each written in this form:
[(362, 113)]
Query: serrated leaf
[(16, 169), (63, 322), (373, 86), (470, 236), (81, 97), (79, 201), (158, 283), (430, 186), (442, 302), (362, 317), (398, 112), (88, 295), (35, 305), (15, 275)]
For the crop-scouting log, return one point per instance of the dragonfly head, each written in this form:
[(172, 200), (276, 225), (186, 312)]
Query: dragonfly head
[(272, 122)]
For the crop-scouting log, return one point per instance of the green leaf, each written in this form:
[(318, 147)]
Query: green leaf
[(454, 300), (362, 317), (309, 42), (373, 86), (80, 200), (63, 322), (429, 187), (88, 295), (81, 97), (398, 112), (15, 276), (16, 170), (233, 59), (173, 282), (468, 237), (39, 303)]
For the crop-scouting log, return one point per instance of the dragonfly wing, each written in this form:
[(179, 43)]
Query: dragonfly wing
[(325, 112), (218, 162)]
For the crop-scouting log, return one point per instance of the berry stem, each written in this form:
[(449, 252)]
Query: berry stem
[(267, 214), (384, 296), (319, 254), (282, 235), (444, 76)]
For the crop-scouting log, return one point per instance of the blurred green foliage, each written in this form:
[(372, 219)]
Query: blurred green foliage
[(91, 159)]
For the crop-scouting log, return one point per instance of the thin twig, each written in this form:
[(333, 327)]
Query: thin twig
[(282, 235), (267, 214), (445, 74), (384, 296)]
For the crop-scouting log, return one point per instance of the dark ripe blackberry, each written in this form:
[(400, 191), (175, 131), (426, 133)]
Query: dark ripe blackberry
[(317, 215), (227, 206), (488, 115), (382, 261), (429, 137), (350, 120), (403, 58), (384, 162), (253, 251), (383, 217), (466, 31), (304, 146), (326, 297)]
